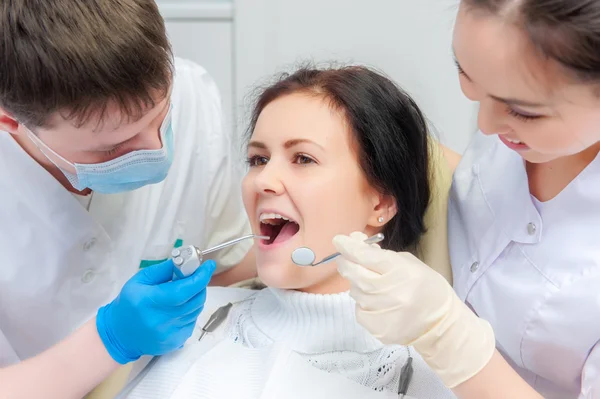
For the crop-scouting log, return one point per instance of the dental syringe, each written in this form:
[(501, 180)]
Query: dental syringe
[(187, 259)]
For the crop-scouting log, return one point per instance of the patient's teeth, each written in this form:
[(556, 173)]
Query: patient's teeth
[(264, 217)]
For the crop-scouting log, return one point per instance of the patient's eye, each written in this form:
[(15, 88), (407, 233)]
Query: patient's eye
[(257, 160), (303, 159)]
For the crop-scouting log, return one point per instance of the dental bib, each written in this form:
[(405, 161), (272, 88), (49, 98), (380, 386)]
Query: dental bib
[(287, 344)]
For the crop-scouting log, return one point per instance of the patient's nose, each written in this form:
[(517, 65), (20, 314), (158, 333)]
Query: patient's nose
[(269, 180)]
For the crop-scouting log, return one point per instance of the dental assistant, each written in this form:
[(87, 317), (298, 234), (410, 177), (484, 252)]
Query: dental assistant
[(111, 154), (523, 320)]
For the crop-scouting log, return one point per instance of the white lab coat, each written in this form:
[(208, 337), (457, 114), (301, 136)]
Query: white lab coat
[(60, 263), (531, 269)]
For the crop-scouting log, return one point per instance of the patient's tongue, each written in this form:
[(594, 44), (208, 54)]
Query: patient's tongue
[(287, 231)]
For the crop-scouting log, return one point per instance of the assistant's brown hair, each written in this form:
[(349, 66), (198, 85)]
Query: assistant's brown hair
[(78, 57), (567, 31)]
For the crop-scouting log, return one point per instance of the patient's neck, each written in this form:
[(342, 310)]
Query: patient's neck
[(332, 285)]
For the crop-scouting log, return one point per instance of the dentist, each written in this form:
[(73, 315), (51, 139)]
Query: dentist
[(111, 155), (524, 216)]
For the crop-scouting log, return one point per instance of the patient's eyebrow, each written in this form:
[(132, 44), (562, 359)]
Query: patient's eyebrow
[(287, 145), (294, 142), (257, 144)]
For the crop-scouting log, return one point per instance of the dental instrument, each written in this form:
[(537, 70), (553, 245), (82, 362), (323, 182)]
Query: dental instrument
[(215, 320), (406, 374), (305, 256), (187, 259)]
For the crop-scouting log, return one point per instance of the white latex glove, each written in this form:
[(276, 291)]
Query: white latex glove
[(400, 300)]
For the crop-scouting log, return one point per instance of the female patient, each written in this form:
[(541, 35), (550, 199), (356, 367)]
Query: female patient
[(329, 152)]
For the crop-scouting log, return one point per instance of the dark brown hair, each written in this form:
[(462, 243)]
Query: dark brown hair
[(390, 132), (78, 57), (567, 31)]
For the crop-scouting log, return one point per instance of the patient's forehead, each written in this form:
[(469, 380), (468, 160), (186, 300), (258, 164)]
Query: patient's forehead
[(302, 116)]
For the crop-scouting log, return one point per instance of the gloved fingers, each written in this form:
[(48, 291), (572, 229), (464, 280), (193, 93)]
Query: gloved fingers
[(379, 260), (182, 334), (156, 274), (359, 277), (178, 292), (379, 325), (388, 299), (190, 318), (357, 251), (193, 305), (187, 330), (204, 273), (359, 235)]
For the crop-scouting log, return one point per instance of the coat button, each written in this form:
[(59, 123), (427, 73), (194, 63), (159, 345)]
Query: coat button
[(474, 267), (88, 276), (89, 244), (531, 229)]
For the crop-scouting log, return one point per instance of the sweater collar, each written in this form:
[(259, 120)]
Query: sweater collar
[(311, 323)]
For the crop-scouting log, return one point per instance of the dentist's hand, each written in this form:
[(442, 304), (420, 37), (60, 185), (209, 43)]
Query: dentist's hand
[(153, 315), (401, 300)]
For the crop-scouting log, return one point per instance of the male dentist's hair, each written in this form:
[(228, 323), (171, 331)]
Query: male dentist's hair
[(82, 58), (566, 31), (390, 132)]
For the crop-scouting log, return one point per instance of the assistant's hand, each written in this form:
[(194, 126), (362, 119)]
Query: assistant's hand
[(153, 315), (401, 300)]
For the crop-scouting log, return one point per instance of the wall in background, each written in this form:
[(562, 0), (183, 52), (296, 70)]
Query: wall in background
[(242, 42), (202, 31)]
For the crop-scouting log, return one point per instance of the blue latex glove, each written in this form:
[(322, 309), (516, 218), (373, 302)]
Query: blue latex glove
[(153, 315)]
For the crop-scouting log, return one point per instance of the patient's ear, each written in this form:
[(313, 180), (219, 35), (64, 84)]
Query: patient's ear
[(8, 123), (384, 208)]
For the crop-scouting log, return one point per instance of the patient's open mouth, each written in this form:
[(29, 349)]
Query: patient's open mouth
[(279, 228)]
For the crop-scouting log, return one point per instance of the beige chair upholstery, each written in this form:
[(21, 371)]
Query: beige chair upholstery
[(433, 248), (110, 387)]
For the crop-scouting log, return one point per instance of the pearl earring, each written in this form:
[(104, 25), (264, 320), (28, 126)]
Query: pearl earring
[(380, 220)]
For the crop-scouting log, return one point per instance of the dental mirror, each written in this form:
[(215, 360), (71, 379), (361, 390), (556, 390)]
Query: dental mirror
[(305, 256)]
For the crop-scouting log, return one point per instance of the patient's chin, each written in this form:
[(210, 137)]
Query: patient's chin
[(279, 275), (321, 279)]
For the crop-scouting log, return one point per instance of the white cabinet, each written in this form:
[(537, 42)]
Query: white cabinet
[(202, 31)]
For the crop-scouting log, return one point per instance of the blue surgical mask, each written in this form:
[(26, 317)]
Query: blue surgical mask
[(125, 173)]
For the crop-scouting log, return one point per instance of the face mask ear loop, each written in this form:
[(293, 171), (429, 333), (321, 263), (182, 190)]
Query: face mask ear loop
[(43, 148), (165, 125)]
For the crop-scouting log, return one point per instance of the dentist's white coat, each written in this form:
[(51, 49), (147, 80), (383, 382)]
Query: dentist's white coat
[(60, 263)]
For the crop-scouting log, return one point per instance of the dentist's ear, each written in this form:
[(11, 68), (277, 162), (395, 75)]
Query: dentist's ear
[(8, 123), (385, 209)]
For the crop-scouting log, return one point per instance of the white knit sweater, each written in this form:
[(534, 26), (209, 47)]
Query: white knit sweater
[(321, 328)]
